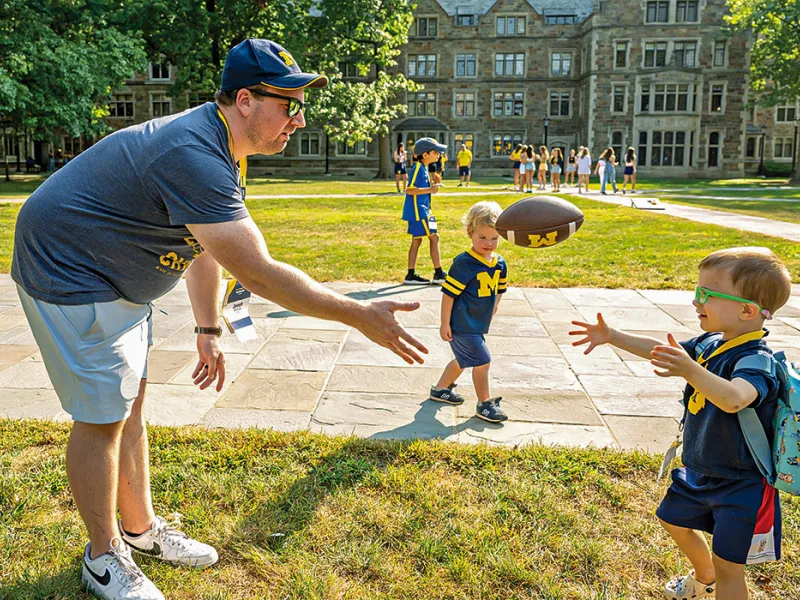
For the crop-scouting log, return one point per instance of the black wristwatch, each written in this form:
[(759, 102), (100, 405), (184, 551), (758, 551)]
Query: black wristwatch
[(217, 331)]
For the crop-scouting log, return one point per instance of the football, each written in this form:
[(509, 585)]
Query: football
[(539, 221)]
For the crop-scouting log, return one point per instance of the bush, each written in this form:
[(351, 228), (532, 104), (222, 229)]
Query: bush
[(777, 169)]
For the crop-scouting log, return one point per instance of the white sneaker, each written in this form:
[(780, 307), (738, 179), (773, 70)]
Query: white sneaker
[(688, 588), (114, 575), (164, 540)]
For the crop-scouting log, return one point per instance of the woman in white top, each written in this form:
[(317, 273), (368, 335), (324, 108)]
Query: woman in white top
[(584, 169), (400, 171), (524, 165)]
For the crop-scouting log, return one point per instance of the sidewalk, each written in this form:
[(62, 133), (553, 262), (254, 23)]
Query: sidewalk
[(306, 373)]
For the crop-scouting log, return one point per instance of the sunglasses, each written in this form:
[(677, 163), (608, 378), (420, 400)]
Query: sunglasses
[(295, 105), (701, 295)]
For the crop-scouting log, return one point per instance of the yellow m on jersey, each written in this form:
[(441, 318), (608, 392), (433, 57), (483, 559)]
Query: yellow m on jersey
[(488, 283)]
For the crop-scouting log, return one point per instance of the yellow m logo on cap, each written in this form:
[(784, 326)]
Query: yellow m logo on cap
[(287, 58), (537, 241)]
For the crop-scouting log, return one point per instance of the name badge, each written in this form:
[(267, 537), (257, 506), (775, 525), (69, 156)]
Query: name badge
[(235, 312), (432, 227)]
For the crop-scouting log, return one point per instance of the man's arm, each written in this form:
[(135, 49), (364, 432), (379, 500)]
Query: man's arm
[(202, 283), (239, 247)]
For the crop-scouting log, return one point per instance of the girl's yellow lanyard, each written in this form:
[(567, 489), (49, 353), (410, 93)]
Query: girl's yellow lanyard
[(697, 401), (242, 162)]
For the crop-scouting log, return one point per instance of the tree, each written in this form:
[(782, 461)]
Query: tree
[(368, 35), (59, 61)]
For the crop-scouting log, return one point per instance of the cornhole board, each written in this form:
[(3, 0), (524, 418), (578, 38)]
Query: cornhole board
[(644, 203)]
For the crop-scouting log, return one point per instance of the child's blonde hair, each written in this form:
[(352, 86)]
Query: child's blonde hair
[(757, 274), (482, 213)]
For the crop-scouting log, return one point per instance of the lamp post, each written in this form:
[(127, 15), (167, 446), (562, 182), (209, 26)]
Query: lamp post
[(761, 163), (546, 125), (794, 149)]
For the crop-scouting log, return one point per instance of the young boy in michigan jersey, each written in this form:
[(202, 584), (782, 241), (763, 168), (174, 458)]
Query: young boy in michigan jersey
[(720, 489), (417, 210), (471, 295)]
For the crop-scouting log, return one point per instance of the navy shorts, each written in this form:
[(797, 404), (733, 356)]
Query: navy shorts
[(743, 515), (434, 168), (628, 171), (470, 350), (516, 164), (400, 169), (463, 170), (423, 228)]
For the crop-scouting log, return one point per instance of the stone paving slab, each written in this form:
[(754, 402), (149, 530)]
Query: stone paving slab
[(306, 373)]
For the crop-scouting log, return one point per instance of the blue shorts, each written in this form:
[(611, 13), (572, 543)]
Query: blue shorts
[(743, 515), (516, 164), (463, 170), (470, 350), (424, 228), (400, 169), (95, 354)]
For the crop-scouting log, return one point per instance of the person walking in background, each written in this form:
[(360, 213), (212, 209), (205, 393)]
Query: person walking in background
[(51, 162), (541, 175), (400, 172), (630, 170), (608, 174), (584, 169), (572, 168), (464, 159), (556, 166), (531, 168), (515, 157)]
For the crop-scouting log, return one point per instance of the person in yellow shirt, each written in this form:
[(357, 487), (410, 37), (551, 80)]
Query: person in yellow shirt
[(464, 162), (515, 157)]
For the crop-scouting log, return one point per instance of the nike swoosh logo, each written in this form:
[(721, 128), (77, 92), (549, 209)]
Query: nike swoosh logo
[(104, 580), (154, 551)]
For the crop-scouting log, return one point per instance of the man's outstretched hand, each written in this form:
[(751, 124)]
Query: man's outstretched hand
[(380, 325)]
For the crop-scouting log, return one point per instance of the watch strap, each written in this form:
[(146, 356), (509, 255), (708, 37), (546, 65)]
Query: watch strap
[(217, 331)]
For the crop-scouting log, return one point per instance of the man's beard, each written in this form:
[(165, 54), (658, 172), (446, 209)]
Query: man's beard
[(261, 144)]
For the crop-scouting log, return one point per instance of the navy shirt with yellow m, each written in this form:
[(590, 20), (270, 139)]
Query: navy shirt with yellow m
[(474, 282)]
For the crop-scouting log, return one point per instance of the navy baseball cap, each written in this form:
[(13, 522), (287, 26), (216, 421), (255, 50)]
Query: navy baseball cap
[(427, 144), (262, 61)]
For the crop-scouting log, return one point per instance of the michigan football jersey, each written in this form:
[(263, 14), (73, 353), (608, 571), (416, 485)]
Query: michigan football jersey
[(417, 206), (474, 282)]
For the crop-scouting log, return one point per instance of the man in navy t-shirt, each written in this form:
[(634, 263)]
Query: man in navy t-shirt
[(117, 228)]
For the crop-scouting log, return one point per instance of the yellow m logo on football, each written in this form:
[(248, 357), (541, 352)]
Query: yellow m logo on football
[(488, 283), (287, 58), (537, 241)]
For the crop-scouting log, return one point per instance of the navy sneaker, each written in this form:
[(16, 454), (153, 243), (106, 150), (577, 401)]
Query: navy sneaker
[(439, 276), (446, 395), (416, 280), (491, 411)]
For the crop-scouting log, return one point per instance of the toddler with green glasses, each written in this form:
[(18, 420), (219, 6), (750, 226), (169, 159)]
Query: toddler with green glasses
[(719, 489)]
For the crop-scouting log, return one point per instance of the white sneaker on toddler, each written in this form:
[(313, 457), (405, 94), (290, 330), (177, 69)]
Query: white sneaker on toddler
[(688, 588), (164, 540)]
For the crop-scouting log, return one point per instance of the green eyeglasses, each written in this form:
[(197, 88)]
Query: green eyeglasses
[(701, 295), (295, 106)]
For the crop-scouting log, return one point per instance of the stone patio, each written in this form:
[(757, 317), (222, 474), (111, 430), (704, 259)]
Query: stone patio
[(305, 373)]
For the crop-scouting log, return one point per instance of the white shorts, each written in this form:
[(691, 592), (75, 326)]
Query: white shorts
[(95, 354), (522, 168)]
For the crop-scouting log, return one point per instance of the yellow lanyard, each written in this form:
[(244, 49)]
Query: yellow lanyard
[(698, 400), (242, 162)]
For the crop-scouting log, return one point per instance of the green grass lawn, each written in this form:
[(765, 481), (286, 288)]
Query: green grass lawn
[(307, 516), (363, 239), (780, 211)]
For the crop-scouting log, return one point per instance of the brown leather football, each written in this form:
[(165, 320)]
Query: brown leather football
[(539, 221)]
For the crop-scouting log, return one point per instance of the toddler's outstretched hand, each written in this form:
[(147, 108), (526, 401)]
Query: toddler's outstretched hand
[(594, 335), (673, 359), (446, 332)]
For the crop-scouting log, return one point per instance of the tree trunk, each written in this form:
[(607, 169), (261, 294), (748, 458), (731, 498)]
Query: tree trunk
[(385, 159)]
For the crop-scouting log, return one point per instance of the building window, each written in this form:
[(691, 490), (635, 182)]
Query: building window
[(616, 144), (750, 147), (620, 55), (72, 146), (422, 104), (422, 65), (349, 70), (658, 11), (668, 149), (357, 149), (465, 104), (618, 98), (468, 139), (666, 97), (686, 11), (425, 27), (466, 20), (509, 64), (504, 143), (160, 105), (713, 149), (560, 19), (655, 54), (717, 97), (560, 64), (641, 155), (159, 72), (416, 135), (685, 53), (121, 106), (508, 104), (465, 65), (510, 26), (719, 53), (309, 144), (785, 114), (783, 148), (200, 99), (559, 104)]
